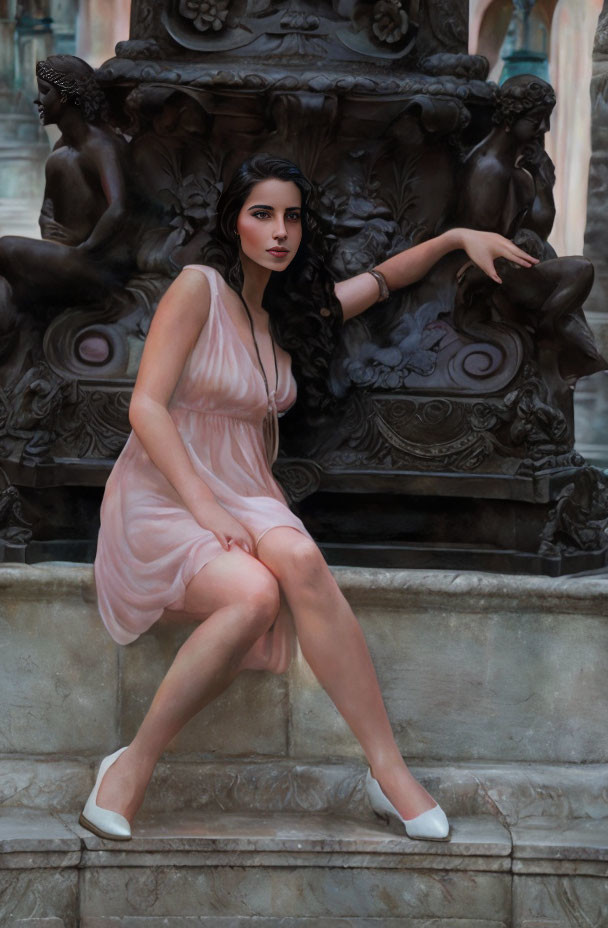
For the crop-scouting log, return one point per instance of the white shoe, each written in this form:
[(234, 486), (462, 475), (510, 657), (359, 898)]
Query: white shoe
[(104, 822), (431, 825)]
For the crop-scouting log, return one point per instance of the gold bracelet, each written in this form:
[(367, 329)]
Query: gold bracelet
[(382, 284)]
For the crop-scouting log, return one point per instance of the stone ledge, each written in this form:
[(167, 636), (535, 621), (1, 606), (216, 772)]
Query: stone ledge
[(508, 792), (295, 871), (35, 839), (288, 840), (365, 585), (551, 845), (252, 921), (198, 839)]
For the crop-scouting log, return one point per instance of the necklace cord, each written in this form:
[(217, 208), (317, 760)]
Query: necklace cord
[(257, 351), (270, 426)]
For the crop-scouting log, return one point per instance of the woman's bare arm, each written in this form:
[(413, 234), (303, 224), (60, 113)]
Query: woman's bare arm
[(358, 293), (177, 323)]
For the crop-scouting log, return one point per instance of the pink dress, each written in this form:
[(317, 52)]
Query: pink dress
[(150, 546)]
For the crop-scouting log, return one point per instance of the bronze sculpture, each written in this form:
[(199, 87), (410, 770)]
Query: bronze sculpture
[(440, 402), (85, 247), (498, 188)]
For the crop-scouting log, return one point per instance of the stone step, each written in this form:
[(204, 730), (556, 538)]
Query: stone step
[(246, 869), (508, 792), (503, 676)]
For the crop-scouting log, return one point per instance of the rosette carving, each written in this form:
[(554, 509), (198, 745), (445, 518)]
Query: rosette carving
[(206, 15), (390, 22)]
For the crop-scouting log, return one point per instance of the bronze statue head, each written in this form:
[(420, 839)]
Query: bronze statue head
[(523, 106), (65, 80)]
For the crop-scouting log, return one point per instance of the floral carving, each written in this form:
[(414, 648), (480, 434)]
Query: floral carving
[(579, 521), (390, 22), (205, 14), (14, 527)]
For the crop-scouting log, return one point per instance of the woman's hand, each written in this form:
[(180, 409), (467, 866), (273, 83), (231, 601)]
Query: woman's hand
[(484, 247), (228, 530)]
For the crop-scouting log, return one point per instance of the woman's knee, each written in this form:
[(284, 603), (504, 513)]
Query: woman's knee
[(259, 593), (299, 562), (231, 578)]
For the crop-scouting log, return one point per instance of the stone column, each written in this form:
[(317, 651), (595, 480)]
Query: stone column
[(592, 393), (7, 47), (101, 24), (64, 13), (34, 40)]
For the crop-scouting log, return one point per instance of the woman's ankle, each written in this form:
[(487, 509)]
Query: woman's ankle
[(387, 766)]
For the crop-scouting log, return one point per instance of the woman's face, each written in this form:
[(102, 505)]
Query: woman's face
[(270, 223)]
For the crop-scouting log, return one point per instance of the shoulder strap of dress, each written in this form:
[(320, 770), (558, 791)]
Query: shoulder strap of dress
[(211, 274), (201, 268)]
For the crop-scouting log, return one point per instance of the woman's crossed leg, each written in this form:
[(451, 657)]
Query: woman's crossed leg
[(334, 646), (236, 598)]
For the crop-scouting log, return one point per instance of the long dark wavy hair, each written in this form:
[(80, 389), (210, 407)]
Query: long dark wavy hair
[(305, 315)]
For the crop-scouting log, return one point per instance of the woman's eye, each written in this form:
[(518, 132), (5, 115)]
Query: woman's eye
[(294, 216), (260, 212)]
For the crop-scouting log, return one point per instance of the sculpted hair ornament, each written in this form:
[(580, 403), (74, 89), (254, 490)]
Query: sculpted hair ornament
[(81, 89)]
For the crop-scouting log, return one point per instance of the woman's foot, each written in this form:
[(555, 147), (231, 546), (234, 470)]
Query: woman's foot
[(403, 789), (124, 785), (430, 825)]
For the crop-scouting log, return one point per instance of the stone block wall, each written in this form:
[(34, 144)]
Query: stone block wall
[(474, 668)]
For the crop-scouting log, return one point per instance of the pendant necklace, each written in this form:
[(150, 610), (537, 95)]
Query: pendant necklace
[(270, 426)]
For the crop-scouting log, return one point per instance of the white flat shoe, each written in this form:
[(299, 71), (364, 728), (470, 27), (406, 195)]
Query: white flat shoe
[(104, 822), (431, 825)]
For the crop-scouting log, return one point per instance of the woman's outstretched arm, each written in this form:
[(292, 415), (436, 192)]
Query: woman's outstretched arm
[(358, 293)]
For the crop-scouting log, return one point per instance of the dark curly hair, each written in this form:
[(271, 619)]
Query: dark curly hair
[(75, 80), (305, 314), (519, 95)]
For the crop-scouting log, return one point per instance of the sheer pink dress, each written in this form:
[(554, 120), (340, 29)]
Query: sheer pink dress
[(150, 546)]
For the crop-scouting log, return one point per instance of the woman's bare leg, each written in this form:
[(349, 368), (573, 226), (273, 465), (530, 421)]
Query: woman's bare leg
[(334, 646), (242, 598)]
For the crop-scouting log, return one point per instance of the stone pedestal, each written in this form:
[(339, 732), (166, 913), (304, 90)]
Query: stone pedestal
[(256, 815)]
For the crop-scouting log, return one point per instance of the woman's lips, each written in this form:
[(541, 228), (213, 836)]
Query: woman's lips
[(278, 252)]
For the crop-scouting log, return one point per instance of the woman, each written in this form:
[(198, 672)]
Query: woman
[(193, 524)]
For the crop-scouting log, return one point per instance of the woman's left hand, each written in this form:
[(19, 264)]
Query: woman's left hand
[(484, 247)]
